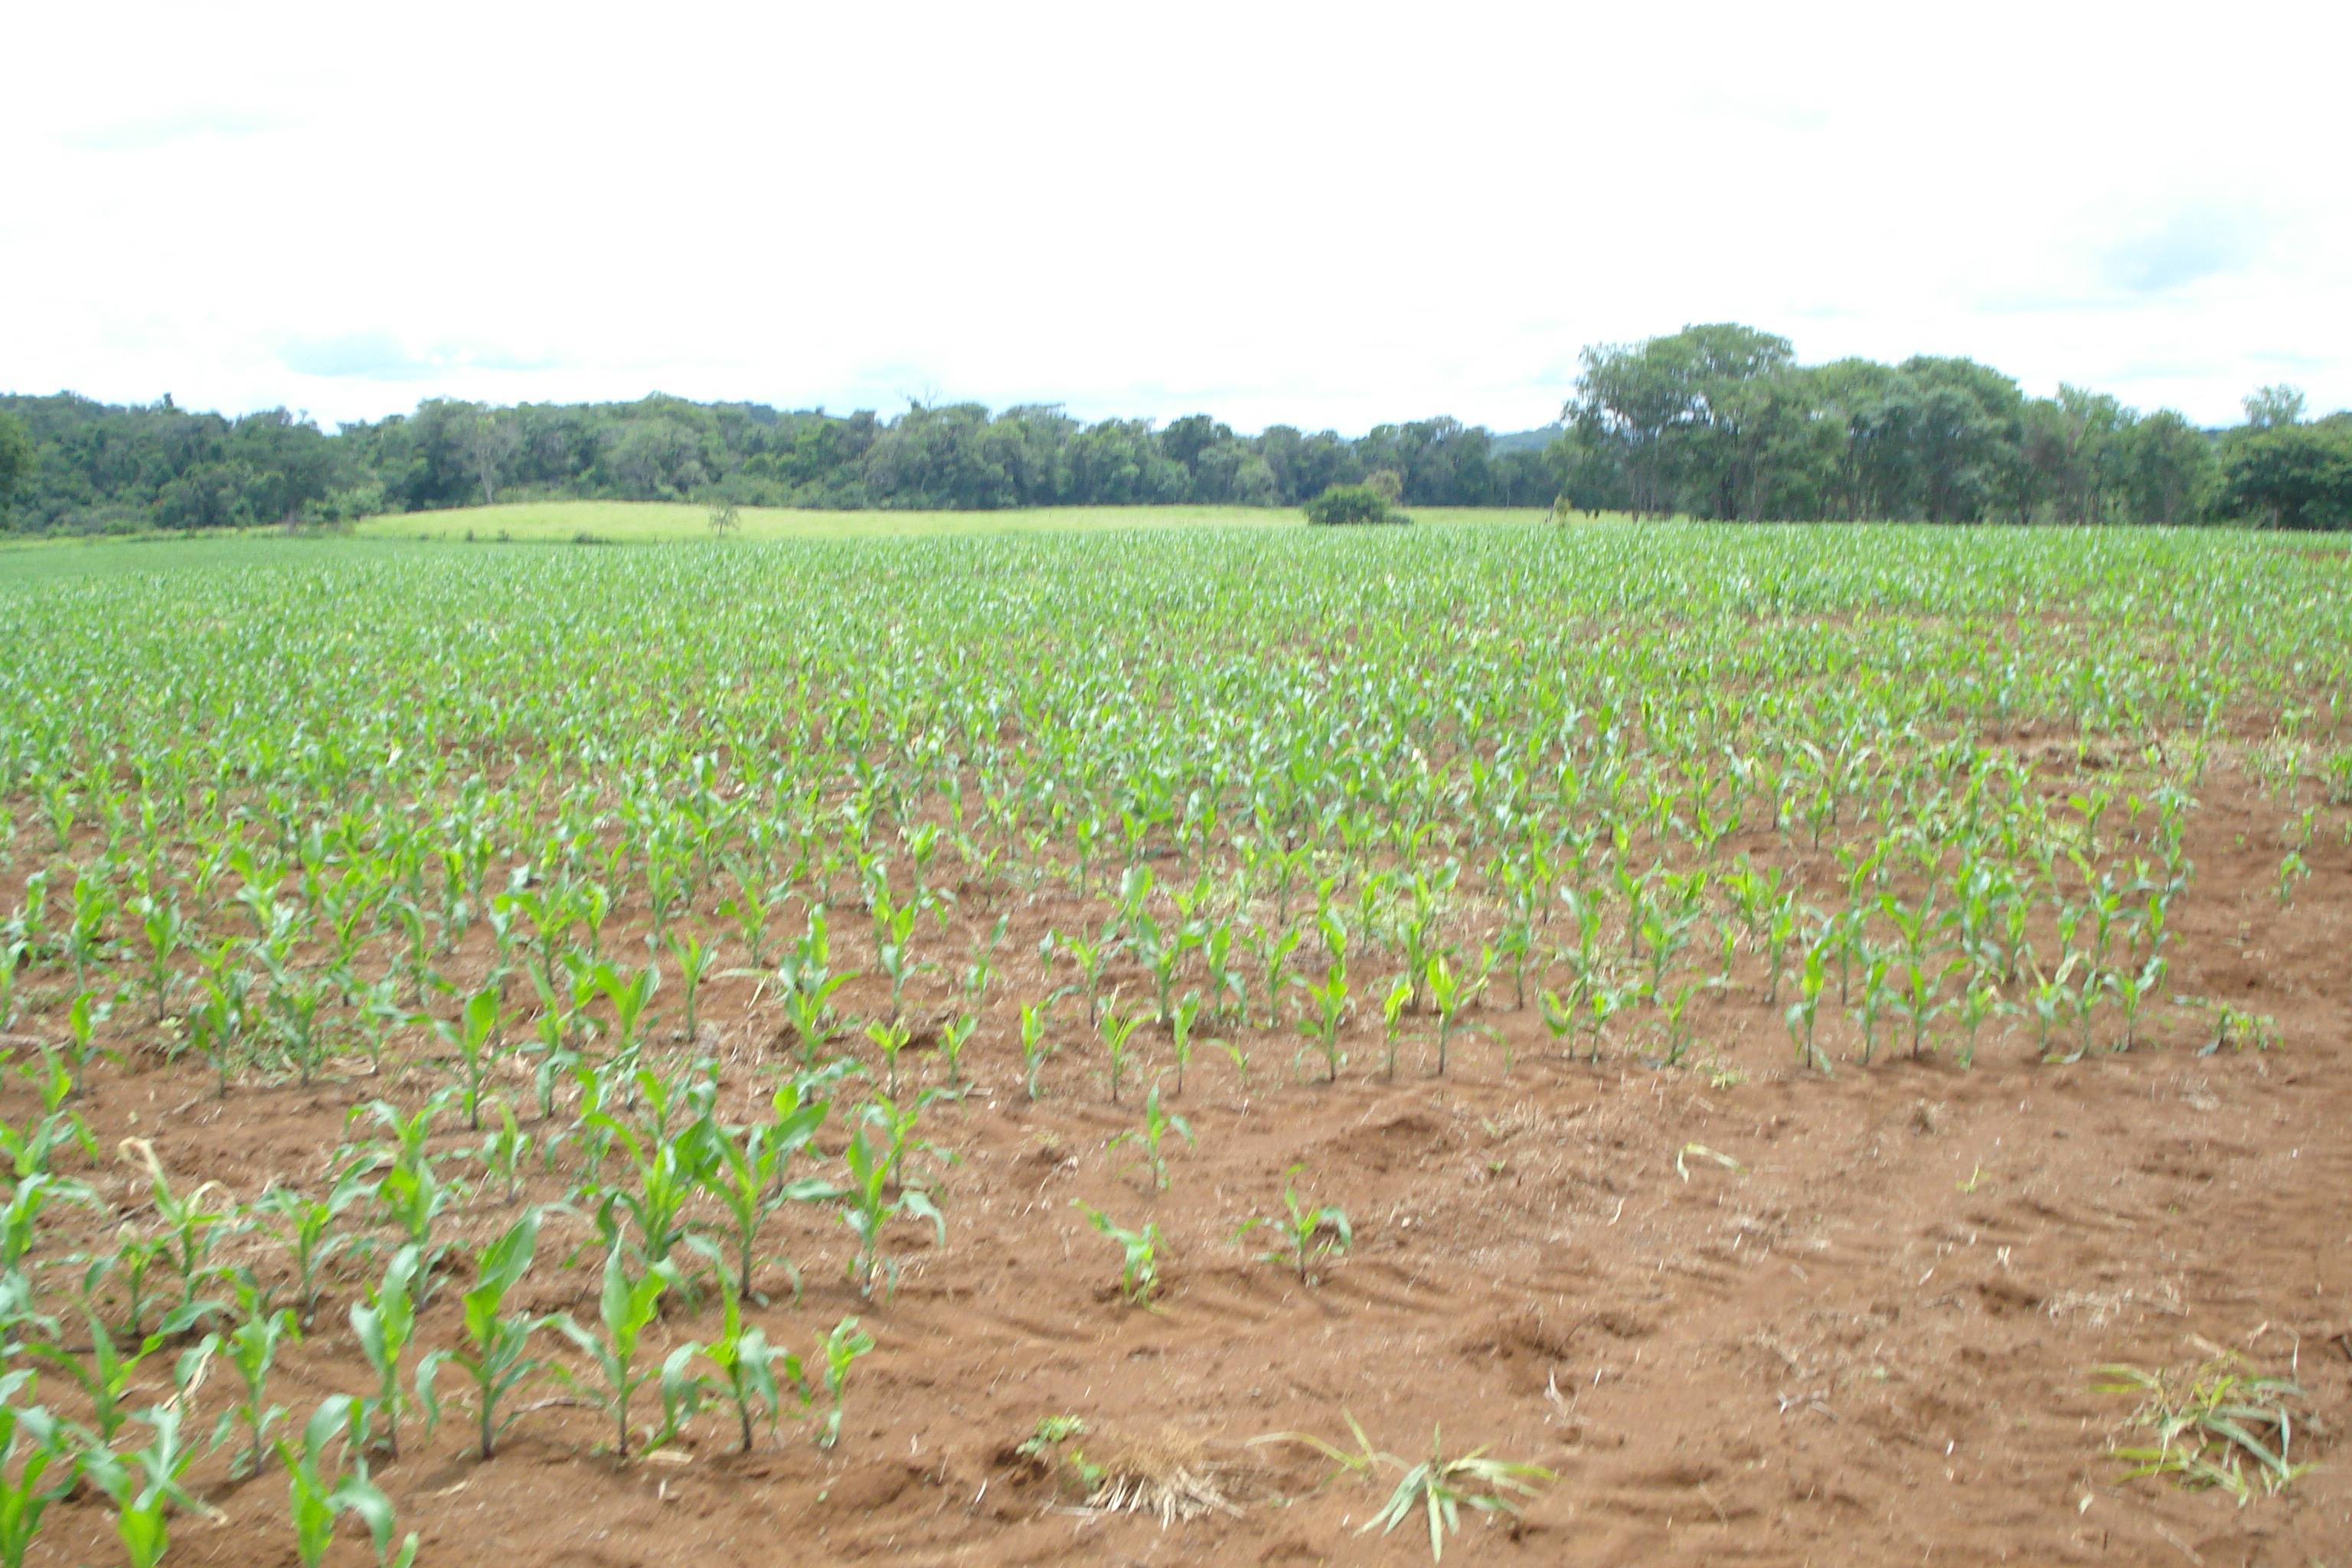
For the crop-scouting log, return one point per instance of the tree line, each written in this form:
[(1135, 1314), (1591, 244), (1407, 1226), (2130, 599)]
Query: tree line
[(92, 467), (1720, 421), (1714, 421)]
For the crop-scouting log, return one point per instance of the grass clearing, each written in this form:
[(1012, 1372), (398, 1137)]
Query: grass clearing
[(652, 522)]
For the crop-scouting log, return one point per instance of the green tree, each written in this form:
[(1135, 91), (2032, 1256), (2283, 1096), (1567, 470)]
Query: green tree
[(1672, 409), (2169, 470), (2293, 476), (1964, 435), (17, 456), (2268, 407)]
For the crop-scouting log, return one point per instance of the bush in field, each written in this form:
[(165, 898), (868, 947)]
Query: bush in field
[(1342, 504)]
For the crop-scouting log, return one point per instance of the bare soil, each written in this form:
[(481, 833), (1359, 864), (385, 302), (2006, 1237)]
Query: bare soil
[(1869, 1343)]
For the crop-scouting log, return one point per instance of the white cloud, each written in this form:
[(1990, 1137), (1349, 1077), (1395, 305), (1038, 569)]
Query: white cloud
[(1325, 213)]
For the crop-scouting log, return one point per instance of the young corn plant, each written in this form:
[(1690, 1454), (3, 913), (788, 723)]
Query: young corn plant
[(842, 1348), (1186, 1013), (1321, 1026), (505, 1148), (2131, 991), (746, 1367), (191, 1231), (1138, 1276), (1437, 1486), (630, 993), (1876, 994), (894, 931), (743, 1169), (1803, 1012), (475, 1037), (318, 1492), (31, 1442), (1392, 1008), (105, 1376), (145, 1489), (626, 1307), (1979, 1001), (664, 1174), (878, 1192), (1036, 1047), (1272, 949), (1674, 1013), (1154, 1136), (1450, 996), (494, 1354), (1117, 1028), (695, 959), (889, 1038), (807, 1002), (410, 1192), (383, 1324), (306, 1227), (251, 1349), (749, 909), (1307, 1236), (2049, 996)]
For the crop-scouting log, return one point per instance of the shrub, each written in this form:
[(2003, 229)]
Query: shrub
[(1343, 504)]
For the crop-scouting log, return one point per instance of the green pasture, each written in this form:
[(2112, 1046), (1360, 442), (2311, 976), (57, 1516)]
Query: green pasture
[(649, 523)]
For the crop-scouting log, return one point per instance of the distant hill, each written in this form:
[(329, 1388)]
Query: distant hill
[(1526, 440)]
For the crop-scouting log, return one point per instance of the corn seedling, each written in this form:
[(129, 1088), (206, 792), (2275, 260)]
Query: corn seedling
[(1118, 1029), (145, 1485), (475, 1038), (30, 1443), (1307, 1235), (1153, 1135), (1321, 1026), (495, 1340), (842, 1348), (318, 1492), (664, 1174), (307, 1229), (252, 1349), (191, 1231), (1272, 950), (2131, 991), (743, 1169), (1035, 1048), (1449, 996), (877, 1191), (695, 959), (1803, 1012), (2049, 997), (1392, 1008), (1139, 1274), (383, 1323), (2293, 870), (105, 1377), (1187, 1012), (1437, 1486), (1979, 1001), (746, 1365), (954, 1034), (627, 1306), (890, 1037)]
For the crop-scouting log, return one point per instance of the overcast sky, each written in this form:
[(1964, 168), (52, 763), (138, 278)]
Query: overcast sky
[(1329, 214)]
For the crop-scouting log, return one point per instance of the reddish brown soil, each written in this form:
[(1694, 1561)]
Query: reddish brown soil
[(1870, 1344)]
